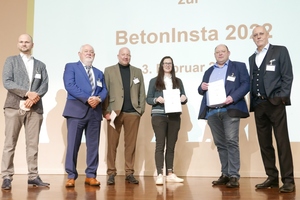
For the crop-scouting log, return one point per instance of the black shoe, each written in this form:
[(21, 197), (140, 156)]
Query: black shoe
[(111, 179), (37, 182), (233, 183), (130, 179), (6, 185), (269, 183), (287, 187), (221, 181)]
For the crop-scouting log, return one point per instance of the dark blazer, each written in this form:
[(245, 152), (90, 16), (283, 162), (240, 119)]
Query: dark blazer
[(278, 83), (114, 85), (16, 81), (237, 89), (79, 89)]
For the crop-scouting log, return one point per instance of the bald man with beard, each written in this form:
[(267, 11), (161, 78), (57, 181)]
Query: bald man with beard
[(26, 81)]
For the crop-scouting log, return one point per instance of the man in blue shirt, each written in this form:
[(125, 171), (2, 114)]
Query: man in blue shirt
[(224, 118)]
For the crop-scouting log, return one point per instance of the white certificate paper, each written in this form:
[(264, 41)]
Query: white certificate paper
[(216, 93), (22, 105), (113, 116), (172, 101)]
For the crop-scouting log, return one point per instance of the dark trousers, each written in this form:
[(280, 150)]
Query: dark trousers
[(268, 116), (166, 133), (76, 127)]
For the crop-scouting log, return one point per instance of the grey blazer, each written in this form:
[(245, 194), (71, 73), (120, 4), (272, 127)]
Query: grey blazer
[(114, 85), (16, 81)]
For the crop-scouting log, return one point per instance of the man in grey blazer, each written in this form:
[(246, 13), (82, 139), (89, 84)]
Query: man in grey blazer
[(26, 81), (126, 97)]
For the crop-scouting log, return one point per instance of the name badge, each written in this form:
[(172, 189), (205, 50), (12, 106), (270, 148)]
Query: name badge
[(99, 83), (270, 68), (38, 76), (136, 80), (231, 78)]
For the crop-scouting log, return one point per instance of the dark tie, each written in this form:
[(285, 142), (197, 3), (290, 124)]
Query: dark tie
[(90, 75)]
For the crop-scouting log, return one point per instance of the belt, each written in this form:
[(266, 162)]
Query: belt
[(215, 107)]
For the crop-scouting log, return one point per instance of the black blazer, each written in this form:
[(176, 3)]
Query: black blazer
[(277, 82)]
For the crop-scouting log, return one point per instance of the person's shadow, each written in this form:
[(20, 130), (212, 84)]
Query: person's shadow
[(184, 149), (145, 147), (248, 144), (57, 132), (57, 129)]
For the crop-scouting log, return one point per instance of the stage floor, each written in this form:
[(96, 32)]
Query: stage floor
[(196, 188)]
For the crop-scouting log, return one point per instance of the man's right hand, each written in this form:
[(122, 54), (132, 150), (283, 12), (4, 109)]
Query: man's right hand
[(33, 96), (204, 86), (107, 116)]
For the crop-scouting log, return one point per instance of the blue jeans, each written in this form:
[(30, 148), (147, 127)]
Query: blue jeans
[(225, 131)]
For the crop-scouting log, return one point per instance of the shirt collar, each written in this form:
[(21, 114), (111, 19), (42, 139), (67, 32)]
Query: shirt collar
[(225, 64), (265, 49), (25, 56), (85, 66), (167, 76)]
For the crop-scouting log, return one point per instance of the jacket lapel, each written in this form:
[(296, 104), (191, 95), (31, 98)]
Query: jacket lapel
[(118, 73), (131, 75), (269, 54)]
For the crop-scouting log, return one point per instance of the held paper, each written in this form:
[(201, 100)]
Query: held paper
[(216, 93), (172, 101)]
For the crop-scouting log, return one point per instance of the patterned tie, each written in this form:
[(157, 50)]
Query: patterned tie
[(90, 75)]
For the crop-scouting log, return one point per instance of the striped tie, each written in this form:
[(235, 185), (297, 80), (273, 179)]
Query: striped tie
[(90, 75)]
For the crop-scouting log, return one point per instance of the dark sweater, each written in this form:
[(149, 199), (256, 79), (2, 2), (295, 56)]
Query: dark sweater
[(125, 74)]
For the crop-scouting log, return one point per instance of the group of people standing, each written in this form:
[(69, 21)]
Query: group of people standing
[(119, 96)]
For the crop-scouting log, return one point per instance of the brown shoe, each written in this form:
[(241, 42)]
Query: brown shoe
[(70, 183), (92, 181)]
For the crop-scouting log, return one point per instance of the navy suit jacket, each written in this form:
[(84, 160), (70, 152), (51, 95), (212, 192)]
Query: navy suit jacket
[(237, 89), (79, 89), (277, 83)]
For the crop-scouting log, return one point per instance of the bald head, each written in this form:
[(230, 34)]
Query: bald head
[(25, 44), (124, 56), (260, 37), (221, 45), (221, 54)]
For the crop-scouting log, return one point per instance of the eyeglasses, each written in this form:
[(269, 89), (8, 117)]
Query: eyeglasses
[(169, 63)]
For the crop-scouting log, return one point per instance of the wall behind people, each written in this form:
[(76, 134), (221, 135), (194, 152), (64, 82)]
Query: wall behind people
[(187, 30), (12, 26)]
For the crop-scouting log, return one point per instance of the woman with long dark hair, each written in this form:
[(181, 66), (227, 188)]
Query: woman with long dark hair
[(165, 125)]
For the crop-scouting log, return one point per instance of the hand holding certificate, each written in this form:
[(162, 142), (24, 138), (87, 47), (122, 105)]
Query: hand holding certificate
[(113, 116), (216, 93), (172, 101)]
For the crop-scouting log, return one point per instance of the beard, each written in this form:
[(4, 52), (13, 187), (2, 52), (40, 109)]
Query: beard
[(24, 49), (88, 61)]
